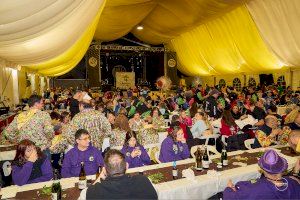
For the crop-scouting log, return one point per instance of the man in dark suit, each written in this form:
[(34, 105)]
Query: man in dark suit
[(117, 184)]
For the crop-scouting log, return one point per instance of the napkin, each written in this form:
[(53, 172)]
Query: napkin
[(188, 173), (240, 164)]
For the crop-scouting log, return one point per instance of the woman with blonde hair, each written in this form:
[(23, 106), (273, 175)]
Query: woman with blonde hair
[(201, 126)]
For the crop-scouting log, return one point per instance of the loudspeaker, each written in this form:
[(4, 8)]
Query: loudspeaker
[(266, 79)]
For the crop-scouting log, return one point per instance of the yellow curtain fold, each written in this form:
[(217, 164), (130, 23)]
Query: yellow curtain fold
[(69, 59), (118, 19), (35, 31), (162, 20), (278, 23), (226, 45)]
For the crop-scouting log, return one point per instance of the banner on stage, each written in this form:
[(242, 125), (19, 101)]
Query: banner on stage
[(125, 80)]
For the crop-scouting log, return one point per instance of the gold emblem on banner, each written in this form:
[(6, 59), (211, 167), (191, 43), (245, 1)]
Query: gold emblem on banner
[(171, 62), (93, 61)]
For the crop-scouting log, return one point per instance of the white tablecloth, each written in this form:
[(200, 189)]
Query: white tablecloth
[(202, 187)]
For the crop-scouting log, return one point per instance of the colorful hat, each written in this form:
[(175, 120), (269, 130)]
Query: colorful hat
[(272, 163)]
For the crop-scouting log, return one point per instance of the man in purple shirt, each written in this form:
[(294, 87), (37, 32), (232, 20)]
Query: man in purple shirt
[(174, 147), (272, 184), (83, 151)]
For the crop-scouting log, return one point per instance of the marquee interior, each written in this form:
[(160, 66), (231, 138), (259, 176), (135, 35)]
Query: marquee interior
[(210, 37)]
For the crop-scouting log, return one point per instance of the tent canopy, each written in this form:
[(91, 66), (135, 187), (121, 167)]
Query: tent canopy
[(210, 36)]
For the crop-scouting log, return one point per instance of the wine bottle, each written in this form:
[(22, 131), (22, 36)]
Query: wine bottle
[(82, 178), (56, 187), (174, 171), (224, 159), (198, 157), (205, 160)]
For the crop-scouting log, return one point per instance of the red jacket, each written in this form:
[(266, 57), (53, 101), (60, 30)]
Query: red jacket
[(183, 126), (225, 129)]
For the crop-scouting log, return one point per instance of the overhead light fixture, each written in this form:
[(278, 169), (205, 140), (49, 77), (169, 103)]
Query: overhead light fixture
[(139, 27)]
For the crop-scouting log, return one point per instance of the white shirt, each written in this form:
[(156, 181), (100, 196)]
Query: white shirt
[(198, 128)]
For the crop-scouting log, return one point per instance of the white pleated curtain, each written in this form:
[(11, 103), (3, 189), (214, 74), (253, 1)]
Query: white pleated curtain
[(279, 24), (35, 31)]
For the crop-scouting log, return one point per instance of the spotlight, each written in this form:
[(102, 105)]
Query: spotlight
[(139, 27)]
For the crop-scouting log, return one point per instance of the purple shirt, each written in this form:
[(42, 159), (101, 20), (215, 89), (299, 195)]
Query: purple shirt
[(263, 189), (91, 157), (173, 151), (137, 161), (21, 175)]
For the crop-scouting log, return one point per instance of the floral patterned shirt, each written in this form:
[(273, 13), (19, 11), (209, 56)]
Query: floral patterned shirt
[(67, 137), (95, 123), (37, 128), (266, 141), (263, 139), (158, 121), (135, 125), (117, 137)]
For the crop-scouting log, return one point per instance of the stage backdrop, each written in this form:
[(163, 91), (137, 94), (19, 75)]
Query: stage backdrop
[(125, 80)]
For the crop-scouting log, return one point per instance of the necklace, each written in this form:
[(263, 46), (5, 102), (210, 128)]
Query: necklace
[(280, 184), (273, 179)]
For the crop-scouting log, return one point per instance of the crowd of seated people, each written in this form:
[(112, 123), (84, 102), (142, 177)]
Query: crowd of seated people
[(131, 121)]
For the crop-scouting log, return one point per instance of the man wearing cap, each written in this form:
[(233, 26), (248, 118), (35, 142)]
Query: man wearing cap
[(211, 105), (271, 185), (93, 121)]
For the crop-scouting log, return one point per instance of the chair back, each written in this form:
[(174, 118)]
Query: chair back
[(157, 156), (248, 143)]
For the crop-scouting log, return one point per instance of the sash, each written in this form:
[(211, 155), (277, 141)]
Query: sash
[(24, 117), (298, 146)]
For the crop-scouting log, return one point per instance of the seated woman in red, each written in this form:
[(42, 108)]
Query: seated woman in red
[(228, 125), (30, 165)]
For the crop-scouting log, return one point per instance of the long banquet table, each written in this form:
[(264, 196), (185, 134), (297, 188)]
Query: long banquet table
[(202, 186)]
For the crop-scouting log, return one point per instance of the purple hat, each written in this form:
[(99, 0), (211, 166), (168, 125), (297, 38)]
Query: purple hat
[(271, 162)]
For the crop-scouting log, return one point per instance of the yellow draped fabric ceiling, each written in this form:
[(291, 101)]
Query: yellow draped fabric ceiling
[(162, 20), (210, 36), (229, 44)]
